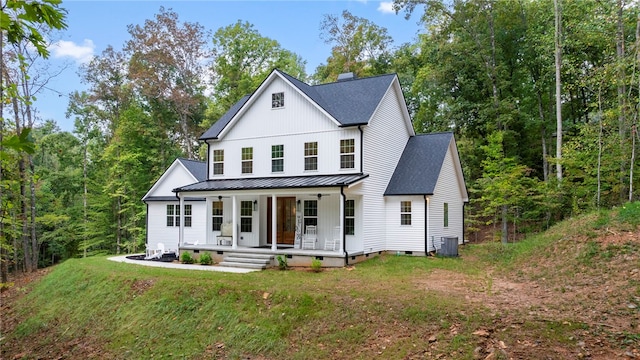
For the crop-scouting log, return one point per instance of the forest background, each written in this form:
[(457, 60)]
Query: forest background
[(542, 95)]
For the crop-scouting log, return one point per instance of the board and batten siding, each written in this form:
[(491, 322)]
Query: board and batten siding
[(159, 232), (298, 122), (175, 176), (448, 191), (405, 237), (384, 140)]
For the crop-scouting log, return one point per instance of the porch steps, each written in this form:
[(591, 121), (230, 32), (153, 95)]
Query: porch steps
[(247, 260)]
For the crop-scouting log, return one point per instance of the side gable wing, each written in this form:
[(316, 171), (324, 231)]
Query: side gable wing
[(180, 173), (419, 167)]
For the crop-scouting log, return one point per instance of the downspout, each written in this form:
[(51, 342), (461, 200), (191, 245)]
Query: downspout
[(361, 149), (344, 235), (146, 233), (463, 224), (207, 158), (426, 226), (178, 254)]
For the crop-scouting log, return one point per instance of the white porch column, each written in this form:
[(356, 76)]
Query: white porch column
[(234, 221), (181, 231), (208, 213), (274, 223)]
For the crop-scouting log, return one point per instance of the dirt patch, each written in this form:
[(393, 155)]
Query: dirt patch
[(139, 287)]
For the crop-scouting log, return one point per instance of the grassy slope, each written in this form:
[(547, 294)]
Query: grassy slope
[(388, 307)]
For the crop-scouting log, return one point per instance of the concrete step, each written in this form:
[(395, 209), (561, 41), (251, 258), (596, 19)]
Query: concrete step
[(247, 260), (249, 255), (243, 265)]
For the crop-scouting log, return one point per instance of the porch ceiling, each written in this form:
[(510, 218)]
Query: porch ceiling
[(281, 182)]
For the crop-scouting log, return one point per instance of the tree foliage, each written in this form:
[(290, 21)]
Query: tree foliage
[(484, 69)]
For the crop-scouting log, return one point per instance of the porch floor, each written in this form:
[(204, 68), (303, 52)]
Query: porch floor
[(282, 250)]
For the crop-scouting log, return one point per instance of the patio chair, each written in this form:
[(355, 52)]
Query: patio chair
[(310, 237), (155, 254), (332, 244)]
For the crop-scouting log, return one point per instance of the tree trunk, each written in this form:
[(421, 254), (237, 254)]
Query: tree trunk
[(599, 146), (622, 95), (543, 133), (84, 197), (22, 178), (505, 227), (558, 57), (4, 253), (35, 250), (119, 224), (634, 129)]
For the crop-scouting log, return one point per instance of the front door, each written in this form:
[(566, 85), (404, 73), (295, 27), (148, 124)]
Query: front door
[(286, 220)]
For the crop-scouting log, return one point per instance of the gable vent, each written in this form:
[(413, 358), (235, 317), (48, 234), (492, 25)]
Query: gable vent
[(346, 76)]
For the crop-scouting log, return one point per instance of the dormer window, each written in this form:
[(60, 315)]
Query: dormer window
[(277, 100)]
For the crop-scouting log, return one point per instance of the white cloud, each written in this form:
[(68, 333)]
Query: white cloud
[(386, 7), (80, 53)]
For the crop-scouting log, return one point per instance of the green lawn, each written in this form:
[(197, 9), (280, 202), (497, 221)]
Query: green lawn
[(388, 307)]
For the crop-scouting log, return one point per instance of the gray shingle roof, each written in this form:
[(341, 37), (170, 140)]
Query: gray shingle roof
[(219, 125), (350, 102), (197, 168), (419, 166), (285, 182)]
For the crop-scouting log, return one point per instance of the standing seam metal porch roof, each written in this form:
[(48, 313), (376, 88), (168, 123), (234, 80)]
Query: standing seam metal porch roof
[(351, 102), (282, 182)]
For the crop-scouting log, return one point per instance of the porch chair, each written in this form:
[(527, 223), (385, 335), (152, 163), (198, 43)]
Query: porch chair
[(310, 237), (332, 244)]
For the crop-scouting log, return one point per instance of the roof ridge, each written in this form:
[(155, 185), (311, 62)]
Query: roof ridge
[(353, 80), (193, 160)]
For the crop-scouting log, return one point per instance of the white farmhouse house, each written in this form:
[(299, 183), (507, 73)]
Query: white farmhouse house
[(333, 172)]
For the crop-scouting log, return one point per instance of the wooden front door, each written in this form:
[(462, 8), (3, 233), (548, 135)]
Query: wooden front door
[(286, 220)]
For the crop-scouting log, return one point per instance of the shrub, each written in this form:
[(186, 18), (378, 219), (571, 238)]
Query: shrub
[(206, 259), (282, 262), (316, 265), (186, 258)]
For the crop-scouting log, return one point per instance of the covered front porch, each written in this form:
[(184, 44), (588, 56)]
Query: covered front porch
[(294, 217)]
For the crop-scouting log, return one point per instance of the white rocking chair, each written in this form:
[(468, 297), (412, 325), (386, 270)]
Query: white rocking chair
[(332, 244), (310, 237)]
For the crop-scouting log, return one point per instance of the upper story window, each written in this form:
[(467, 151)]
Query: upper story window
[(218, 162), (277, 158), (311, 155), (247, 160), (347, 154), (277, 100), (405, 212)]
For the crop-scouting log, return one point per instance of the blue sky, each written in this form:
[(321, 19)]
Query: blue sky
[(94, 25)]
